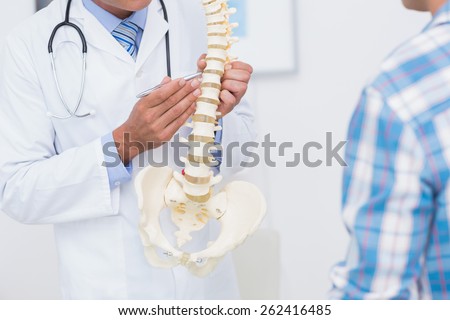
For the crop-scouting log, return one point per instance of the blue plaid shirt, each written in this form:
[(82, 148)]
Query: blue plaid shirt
[(396, 203)]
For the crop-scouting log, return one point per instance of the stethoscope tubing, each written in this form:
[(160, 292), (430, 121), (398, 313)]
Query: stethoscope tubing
[(66, 23), (61, 96)]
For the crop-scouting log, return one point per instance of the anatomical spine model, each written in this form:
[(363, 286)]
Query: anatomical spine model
[(239, 208)]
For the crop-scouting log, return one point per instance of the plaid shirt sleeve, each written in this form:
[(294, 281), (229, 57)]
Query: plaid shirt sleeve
[(387, 206)]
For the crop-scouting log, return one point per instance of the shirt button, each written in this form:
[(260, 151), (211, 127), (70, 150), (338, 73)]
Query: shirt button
[(140, 74), (117, 184)]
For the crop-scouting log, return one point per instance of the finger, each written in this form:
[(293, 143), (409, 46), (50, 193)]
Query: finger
[(201, 63), (177, 110), (228, 102), (189, 88), (202, 57), (242, 66), (236, 74), (236, 87), (166, 80), (168, 89), (175, 125)]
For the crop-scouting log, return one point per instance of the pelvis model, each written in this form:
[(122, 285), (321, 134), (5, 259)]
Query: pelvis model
[(239, 208)]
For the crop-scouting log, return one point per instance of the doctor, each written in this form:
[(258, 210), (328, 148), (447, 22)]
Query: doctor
[(52, 161)]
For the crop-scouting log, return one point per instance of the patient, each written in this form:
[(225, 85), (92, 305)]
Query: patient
[(396, 203)]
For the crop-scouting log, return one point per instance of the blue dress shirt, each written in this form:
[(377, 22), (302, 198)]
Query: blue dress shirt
[(111, 22)]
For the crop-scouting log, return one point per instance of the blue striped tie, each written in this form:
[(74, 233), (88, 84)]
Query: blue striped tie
[(126, 34)]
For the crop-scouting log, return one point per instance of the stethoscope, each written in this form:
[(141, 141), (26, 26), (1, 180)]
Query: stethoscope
[(66, 23)]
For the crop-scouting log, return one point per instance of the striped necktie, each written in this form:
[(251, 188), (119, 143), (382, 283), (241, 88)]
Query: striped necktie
[(126, 34)]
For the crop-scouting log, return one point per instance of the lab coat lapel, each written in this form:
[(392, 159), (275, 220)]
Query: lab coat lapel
[(155, 30), (96, 35)]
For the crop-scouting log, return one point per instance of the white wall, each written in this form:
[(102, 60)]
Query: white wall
[(341, 43)]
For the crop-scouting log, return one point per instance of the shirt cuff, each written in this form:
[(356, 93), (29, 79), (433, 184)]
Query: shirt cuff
[(118, 173)]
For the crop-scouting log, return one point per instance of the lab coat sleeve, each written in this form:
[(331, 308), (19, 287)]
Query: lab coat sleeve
[(37, 185), (238, 128)]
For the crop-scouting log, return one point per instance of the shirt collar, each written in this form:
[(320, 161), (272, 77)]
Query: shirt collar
[(441, 17), (110, 21)]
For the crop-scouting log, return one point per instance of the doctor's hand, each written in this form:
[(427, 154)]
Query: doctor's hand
[(234, 83), (155, 119)]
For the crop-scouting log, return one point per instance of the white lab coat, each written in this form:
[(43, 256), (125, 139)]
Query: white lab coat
[(51, 169)]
